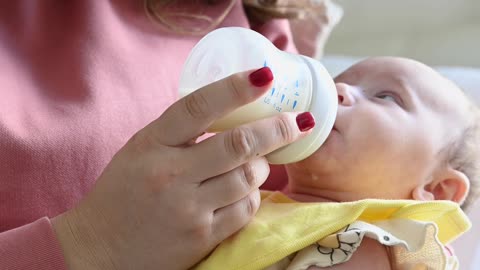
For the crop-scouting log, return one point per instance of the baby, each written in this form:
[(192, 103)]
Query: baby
[(403, 134)]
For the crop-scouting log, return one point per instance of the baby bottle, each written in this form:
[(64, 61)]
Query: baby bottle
[(300, 84)]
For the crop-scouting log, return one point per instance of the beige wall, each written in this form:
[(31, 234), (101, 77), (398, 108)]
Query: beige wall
[(437, 32)]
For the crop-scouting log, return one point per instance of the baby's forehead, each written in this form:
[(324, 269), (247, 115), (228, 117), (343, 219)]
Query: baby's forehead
[(429, 87), (430, 91)]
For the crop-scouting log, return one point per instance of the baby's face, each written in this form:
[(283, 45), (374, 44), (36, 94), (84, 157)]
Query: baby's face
[(394, 118)]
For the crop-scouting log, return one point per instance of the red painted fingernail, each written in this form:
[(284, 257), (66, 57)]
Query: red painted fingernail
[(261, 77), (305, 121)]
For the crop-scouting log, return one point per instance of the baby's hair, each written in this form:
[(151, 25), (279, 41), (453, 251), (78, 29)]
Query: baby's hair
[(464, 155)]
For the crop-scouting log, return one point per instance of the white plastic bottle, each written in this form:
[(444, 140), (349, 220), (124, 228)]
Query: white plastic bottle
[(300, 84)]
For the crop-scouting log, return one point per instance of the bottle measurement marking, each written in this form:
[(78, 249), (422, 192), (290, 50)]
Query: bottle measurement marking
[(277, 108), (272, 100), (268, 100)]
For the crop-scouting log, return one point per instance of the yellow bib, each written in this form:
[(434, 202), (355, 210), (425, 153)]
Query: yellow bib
[(283, 226)]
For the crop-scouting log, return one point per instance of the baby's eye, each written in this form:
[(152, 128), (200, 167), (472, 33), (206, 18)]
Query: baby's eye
[(387, 96)]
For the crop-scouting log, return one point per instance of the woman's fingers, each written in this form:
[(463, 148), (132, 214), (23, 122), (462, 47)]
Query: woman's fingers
[(234, 185), (231, 218), (228, 150), (191, 115)]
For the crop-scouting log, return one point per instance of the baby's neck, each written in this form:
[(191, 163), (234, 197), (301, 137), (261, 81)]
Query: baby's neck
[(320, 195), (304, 197)]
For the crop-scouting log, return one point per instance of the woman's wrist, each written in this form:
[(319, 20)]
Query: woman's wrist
[(81, 246)]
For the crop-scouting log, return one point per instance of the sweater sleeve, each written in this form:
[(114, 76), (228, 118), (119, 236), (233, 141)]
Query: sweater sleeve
[(32, 246)]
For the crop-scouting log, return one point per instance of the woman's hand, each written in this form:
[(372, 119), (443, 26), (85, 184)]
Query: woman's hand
[(164, 201)]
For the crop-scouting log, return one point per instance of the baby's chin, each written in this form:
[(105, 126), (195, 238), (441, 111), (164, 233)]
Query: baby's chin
[(321, 161), (328, 154)]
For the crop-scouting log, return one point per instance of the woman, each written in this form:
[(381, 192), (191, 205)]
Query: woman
[(85, 181)]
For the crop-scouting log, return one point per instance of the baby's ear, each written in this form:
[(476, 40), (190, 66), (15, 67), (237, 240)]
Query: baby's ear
[(450, 184)]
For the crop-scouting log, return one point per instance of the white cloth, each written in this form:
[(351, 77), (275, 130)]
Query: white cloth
[(413, 245)]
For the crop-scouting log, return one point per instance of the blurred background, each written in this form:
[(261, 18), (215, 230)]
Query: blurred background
[(444, 34), (436, 32)]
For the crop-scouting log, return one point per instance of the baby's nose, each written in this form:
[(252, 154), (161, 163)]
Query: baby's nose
[(345, 95)]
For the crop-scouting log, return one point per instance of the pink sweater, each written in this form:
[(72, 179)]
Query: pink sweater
[(77, 79)]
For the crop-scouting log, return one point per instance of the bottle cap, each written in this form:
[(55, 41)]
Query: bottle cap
[(323, 107)]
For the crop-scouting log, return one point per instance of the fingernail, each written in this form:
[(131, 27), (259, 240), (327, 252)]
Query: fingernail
[(261, 77), (305, 121)]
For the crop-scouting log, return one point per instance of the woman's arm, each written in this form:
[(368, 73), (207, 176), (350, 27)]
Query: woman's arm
[(31, 247)]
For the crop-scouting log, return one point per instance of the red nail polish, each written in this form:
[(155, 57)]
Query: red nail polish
[(305, 121), (261, 77)]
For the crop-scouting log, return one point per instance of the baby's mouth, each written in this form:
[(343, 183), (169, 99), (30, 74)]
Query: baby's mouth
[(334, 131)]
